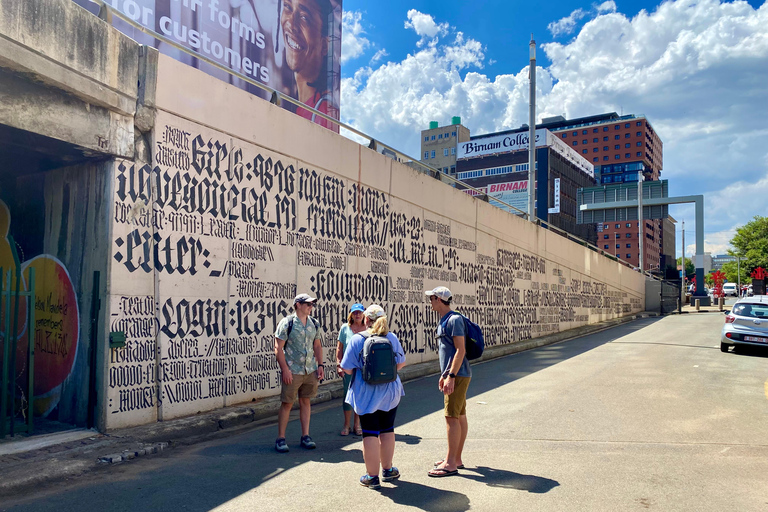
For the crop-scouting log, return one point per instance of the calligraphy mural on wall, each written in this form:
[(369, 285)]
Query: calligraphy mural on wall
[(214, 239), (56, 332)]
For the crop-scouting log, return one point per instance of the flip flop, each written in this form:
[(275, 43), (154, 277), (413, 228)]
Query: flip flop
[(344, 431), (441, 472), (460, 466)]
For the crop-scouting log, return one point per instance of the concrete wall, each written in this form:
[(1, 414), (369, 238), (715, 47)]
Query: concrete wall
[(244, 204)]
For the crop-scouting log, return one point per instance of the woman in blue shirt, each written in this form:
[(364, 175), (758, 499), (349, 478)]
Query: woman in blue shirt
[(375, 403), (353, 326)]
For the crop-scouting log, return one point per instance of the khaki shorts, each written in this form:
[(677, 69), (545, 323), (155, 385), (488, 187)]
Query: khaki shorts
[(303, 385), (456, 402)]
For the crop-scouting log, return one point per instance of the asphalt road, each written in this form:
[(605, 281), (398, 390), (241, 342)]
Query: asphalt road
[(649, 415)]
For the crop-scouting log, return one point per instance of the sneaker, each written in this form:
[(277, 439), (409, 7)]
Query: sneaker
[(308, 443), (390, 474), (371, 482), (280, 445)]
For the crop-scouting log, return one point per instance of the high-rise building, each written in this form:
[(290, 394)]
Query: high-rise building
[(438, 144)]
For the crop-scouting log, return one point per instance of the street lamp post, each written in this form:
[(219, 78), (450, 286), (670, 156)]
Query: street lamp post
[(532, 131)]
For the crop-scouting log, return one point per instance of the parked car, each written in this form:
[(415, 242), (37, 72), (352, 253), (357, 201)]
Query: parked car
[(746, 323), (730, 289)]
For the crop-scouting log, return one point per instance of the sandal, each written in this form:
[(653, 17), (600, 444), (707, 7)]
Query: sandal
[(441, 472), (358, 431), (460, 466), (344, 431)]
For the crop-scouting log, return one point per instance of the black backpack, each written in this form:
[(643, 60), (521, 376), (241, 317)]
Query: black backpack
[(473, 337), (379, 365), (290, 326)]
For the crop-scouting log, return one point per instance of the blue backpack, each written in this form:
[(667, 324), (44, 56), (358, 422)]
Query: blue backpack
[(473, 337), (379, 364)]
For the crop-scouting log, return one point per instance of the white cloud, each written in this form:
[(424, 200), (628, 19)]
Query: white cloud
[(609, 6), (353, 43), (696, 70), (425, 27), (566, 25), (378, 56)]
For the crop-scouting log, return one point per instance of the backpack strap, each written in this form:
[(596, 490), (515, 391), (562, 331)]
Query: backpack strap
[(290, 325), (445, 323)]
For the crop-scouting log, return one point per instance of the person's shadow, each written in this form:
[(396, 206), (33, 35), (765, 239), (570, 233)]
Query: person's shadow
[(509, 479), (424, 497)]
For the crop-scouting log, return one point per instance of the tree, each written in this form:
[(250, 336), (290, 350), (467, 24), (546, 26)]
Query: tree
[(750, 243), (690, 270)]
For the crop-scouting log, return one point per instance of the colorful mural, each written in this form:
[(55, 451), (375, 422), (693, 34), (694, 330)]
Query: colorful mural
[(57, 321)]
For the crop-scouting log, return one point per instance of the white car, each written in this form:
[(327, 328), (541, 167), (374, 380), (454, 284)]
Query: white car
[(730, 289), (746, 323)]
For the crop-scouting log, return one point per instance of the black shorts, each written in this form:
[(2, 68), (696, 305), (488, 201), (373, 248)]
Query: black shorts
[(378, 422)]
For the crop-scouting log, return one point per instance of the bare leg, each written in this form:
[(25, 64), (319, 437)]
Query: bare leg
[(371, 450), (453, 428), (464, 430), (305, 408), (357, 422), (282, 418), (348, 419), (386, 449)]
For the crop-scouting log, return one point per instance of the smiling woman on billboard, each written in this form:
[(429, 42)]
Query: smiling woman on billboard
[(305, 31)]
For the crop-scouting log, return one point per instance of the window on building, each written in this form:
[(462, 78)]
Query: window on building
[(433, 137), (627, 155), (629, 256), (565, 135), (605, 128), (584, 141), (639, 134), (583, 132), (595, 150), (617, 137), (595, 159), (594, 130), (426, 139), (453, 133), (432, 155), (629, 224), (617, 146), (639, 153), (605, 246), (618, 226), (453, 151), (605, 148), (618, 235), (639, 123), (445, 152), (575, 143), (453, 169), (575, 134), (626, 125), (594, 140), (606, 179), (584, 151), (605, 158), (618, 246), (439, 136), (639, 144), (627, 135), (605, 139), (426, 155), (629, 246), (605, 237), (627, 145), (617, 127)]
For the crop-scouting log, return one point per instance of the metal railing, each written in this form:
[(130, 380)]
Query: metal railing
[(106, 12)]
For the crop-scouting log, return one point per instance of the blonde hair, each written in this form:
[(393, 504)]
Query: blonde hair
[(351, 320), (379, 327)]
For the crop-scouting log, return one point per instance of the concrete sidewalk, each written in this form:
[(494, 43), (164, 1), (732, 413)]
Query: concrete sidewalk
[(30, 462)]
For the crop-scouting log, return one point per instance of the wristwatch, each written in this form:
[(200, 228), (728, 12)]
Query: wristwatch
[(452, 375)]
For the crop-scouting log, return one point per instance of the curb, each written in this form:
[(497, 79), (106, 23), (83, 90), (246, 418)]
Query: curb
[(73, 459)]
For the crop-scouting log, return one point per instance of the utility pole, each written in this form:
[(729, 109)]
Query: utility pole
[(532, 132)]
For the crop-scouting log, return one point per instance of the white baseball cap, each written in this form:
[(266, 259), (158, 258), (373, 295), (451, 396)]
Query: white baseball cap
[(374, 311), (441, 292)]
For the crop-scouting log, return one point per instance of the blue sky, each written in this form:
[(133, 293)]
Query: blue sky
[(697, 70)]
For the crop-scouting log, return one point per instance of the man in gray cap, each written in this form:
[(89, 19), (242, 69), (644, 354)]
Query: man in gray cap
[(299, 352), (454, 379)]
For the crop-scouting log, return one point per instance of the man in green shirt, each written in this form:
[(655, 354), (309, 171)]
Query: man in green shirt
[(299, 353)]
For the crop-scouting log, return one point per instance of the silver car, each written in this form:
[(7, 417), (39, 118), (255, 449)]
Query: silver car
[(746, 323)]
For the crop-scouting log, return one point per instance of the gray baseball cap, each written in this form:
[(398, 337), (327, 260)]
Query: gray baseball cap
[(441, 292), (304, 297)]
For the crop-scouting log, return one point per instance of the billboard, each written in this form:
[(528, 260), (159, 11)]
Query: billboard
[(514, 193), (493, 144), (293, 46)]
